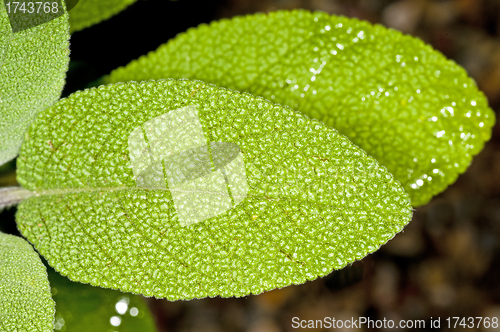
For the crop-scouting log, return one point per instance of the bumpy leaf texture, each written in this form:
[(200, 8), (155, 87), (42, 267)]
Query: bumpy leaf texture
[(25, 300), (33, 64), (181, 189), (89, 12), (83, 308), (404, 103)]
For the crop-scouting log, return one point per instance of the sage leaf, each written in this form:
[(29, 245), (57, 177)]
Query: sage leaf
[(25, 300), (404, 103), (33, 64), (89, 12), (82, 308), (124, 197)]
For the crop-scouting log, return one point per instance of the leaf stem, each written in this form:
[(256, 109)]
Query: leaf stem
[(11, 196)]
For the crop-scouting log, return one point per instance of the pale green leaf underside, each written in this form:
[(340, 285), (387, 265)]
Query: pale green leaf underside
[(89, 12), (404, 103), (25, 300), (83, 308), (315, 201), (33, 64)]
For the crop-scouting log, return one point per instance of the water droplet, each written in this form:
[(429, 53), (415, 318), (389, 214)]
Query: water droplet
[(121, 306), (59, 323), (440, 133), (115, 321), (447, 111), (134, 311)]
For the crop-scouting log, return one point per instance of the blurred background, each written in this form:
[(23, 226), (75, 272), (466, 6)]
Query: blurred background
[(446, 262)]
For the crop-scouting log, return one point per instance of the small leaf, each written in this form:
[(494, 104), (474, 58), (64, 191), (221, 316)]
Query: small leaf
[(25, 300), (89, 12), (33, 64), (125, 198), (416, 112), (85, 308)]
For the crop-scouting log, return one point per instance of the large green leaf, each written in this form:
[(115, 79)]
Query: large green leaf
[(183, 190), (25, 300), (83, 308), (33, 63), (89, 12), (416, 112)]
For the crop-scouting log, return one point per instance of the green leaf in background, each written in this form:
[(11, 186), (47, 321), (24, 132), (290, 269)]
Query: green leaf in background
[(404, 103), (33, 64), (117, 173), (83, 308), (25, 300), (89, 12)]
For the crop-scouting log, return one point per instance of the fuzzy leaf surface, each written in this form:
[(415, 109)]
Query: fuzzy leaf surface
[(33, 65), (89, 12), (83, 308), (403, 102), (25, 300), (314, 201)]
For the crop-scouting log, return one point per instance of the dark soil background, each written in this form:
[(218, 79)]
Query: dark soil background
[(446, 263)]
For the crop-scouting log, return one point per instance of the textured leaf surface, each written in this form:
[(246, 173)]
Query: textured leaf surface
[(25, 300), (404, 103), (89, 12), (83, 308), (315, 201), (33, 64)]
